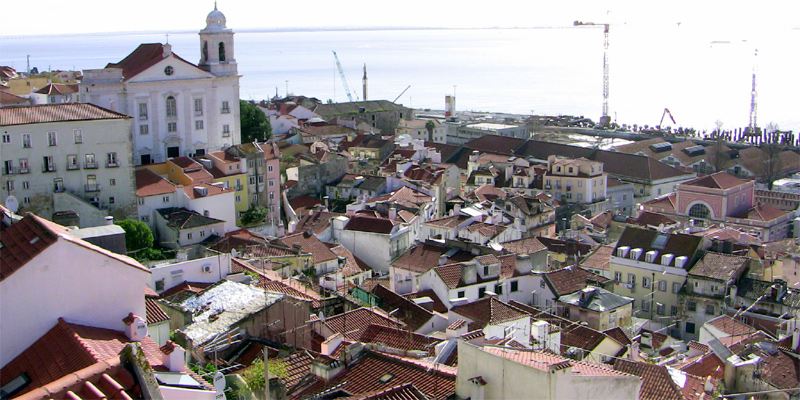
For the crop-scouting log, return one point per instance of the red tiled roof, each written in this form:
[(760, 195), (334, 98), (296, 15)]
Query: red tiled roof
[(421, 257), (656, 381), (397, 338), (148, 183), (412, 314), (211, 190), (190, 287), (353, 265), (486, 230), (10, 99), (762, 212), (619, 335), (301, 203), (451, 221), (438, 305), (666, 203), (529, 245), (310, 244), (155, 313), (24, 240), (317, 222), (706, 365), (405, 391), (600, 259), (67, 348), (573, 334), (365, 376), (487, 192), (44, 113), (363, 223), (731, 326), (58, 89), (547, 361), (142, 58), (280, 287), (646, 218), (352, 323), (719, 180), (488, 310), (103, 379), (571, 279)]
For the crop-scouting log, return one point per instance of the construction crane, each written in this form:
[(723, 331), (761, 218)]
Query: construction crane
[(664, 114), (401, 94), (604, 118), (344, 79), (753, 98)]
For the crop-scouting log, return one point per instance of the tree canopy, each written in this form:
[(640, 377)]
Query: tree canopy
[(254, 123), (137, 234)]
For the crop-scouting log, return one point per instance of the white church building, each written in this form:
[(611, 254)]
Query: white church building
[(178, 108)]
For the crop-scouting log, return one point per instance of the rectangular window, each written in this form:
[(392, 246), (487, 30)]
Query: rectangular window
[(226, 108), (8, 167), (710, 309), (6, 138), (144, 129), (269, 168), (676, 287), (646, 305), (78, 135), (460, 294), (111, 160), (662, 286), (189, 235), (111, 200), (252, 180), (660, 309), (198, 125), (141, 201), (198, 107), (9, 185), (26, 185), (691, 306), (618, 276), (226, 130), (631, 279), (143, 111), (203, 234), (26, 140), (498, 288), (645, 282), (690, 327), (89, 161), (172, 127), (72, 161), (673, 310), (51, 138), (48, 164), (112, 182), (23, 166), (271, 182), (26, 200), (238, 198), (481, 292), (165, 199)]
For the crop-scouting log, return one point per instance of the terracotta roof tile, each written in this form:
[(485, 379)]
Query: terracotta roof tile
[(182, 218), (571, 279), (67, 348), (424, 256), (363, 223), (142, 58), (45, 113), (437, 305), (155, 313), (724, 267), (731, 326), (353, 323), (148, 183), (412, 314), (377, 371), (619, 335), (185, 288), (762, 212), (406, 391), (600, 259), (719, 180), (656, 381), (24, 240), (706, 365), (396, 338), (310, 244), (547, 361), (317, 222), (488, 310), (280, 287), (529, 245), (573, 334)]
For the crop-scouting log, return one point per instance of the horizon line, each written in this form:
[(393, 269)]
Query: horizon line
[(289, 29)]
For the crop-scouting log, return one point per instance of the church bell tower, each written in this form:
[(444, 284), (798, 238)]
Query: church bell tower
[(216, 46)]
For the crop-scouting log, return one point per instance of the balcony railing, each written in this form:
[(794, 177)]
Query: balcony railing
[(73, 166), (112, 164), (48, 168), (58, 189), (90, 165), (92, 187)]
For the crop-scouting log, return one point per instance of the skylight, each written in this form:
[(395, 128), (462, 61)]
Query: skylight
[(660, 241)]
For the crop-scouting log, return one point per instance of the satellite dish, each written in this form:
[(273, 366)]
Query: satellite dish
[(219, 382), (12, 203), (234, 253)]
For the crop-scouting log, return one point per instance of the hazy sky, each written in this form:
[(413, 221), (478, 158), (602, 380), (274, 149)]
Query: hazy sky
[(715, 17)]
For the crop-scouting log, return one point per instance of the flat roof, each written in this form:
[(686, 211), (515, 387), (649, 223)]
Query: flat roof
[(489, 126)]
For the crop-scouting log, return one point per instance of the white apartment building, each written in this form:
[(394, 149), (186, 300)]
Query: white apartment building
[(179, 108), (77, 154), (575, 180)]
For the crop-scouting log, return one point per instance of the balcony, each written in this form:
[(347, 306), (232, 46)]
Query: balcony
[(238, 188), (58, 189), (91, 187), (49, 168), (112, 164), (90, 165), (75, 166)]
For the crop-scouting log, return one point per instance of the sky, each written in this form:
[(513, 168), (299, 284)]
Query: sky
[(714, 17)]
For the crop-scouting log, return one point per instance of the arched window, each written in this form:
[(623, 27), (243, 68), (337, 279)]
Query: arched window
[(172, 108), (699, 211), (221, 52), (205, 51)]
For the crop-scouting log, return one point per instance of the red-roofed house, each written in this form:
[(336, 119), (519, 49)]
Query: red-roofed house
[(181, 109), (501, 373), (724, 198), (46, 274), (374, 239)]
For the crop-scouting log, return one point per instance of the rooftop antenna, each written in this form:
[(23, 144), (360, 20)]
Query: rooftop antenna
[(28, 57), (167, 35), (753, 97)]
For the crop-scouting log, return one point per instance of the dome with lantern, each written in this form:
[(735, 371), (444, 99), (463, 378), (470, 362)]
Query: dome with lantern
[(215, 21)]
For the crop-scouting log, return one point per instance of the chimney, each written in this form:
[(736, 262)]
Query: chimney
[(392, 213), (457, 208), (175, 359), (326, 200), (135, 327), (109, 220), (331, 344), (708, 386), (442, 259), (166, 50)]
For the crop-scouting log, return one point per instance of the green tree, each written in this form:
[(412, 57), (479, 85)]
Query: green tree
[(254, 215), (137, 234), (430, 126), (254, 375), (254, 123)]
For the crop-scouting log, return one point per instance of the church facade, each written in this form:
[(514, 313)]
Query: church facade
[(178, 108)]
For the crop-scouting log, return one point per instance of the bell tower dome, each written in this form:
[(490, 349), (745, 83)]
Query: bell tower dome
[(216, 45)]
